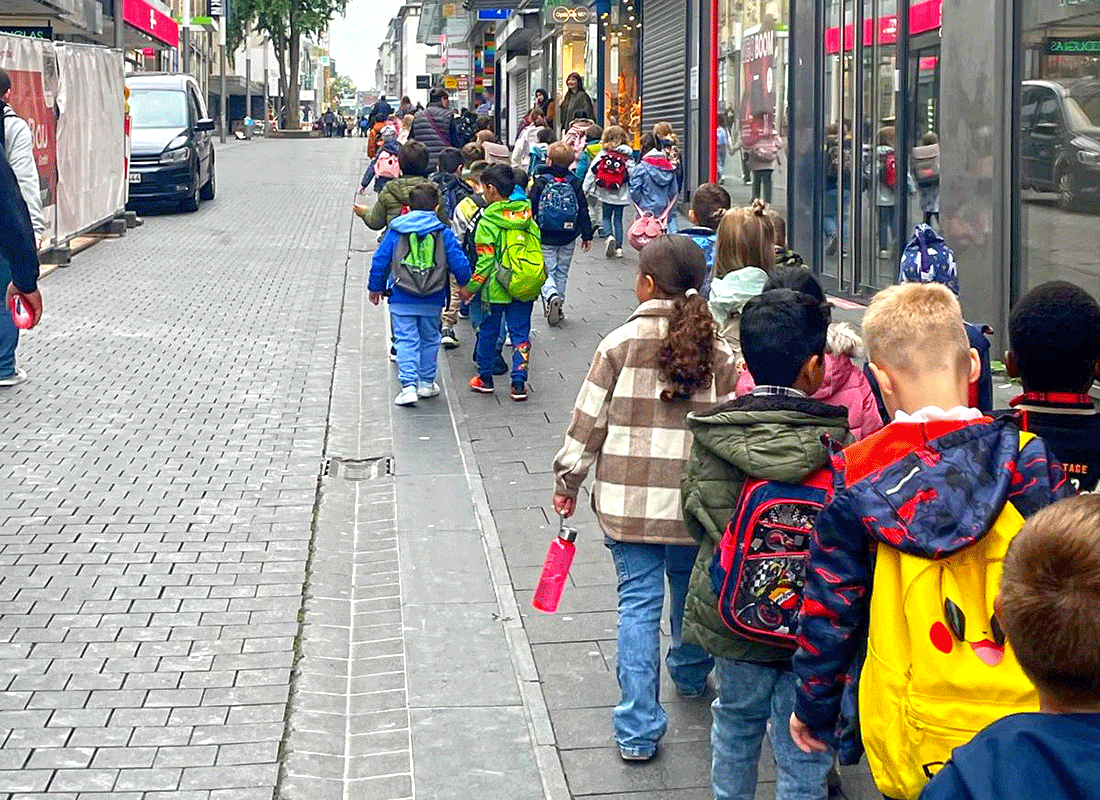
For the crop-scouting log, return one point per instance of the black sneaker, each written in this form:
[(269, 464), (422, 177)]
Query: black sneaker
[(519, 392), (464, 311), (393, 353), (448, 339)]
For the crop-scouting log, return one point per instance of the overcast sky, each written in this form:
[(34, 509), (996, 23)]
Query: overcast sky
[(354, 38)]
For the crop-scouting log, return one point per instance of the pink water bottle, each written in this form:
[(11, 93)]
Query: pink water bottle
[(555, 570), (21, 312)]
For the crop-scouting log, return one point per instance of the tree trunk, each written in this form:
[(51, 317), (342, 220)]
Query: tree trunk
[(293, 109), (280, 60)]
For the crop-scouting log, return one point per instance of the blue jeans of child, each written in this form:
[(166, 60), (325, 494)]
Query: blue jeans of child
[(9, 334), (613, 222), (416, 336), (750, 694), (557, 260), (639, 718), (517, 316)]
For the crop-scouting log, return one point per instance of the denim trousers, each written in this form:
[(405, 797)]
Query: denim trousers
[(829, 224), (613, 222), (762, 185), (557, 260), (750, 694), (416, 336), (639, 718), (9, 334), (516, 315)]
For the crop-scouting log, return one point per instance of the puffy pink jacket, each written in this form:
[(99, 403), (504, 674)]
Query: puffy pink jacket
[(845, 384)]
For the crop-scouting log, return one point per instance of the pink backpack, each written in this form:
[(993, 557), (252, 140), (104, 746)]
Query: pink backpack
[(647, 227), (387, 165)]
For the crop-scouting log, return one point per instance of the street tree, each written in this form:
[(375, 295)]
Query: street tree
[(342, 86), (285, 22)]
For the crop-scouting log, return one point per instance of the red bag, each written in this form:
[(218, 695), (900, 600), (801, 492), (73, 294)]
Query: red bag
[(890, 170), (611, 170)]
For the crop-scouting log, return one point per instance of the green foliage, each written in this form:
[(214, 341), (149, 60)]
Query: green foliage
[(342, 86)]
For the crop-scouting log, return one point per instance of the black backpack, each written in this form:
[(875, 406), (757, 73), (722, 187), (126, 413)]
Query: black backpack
[(469, 246), (464, 129)]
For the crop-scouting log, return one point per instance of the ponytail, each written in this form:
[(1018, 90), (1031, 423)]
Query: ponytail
[(686, 359)]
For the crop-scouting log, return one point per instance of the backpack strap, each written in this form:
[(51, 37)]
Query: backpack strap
[(664, 216)]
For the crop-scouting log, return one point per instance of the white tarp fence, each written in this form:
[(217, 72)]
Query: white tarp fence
[(72, 98)]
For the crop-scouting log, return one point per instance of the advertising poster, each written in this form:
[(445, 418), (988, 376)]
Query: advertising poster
[(32, 65), (758, 99)]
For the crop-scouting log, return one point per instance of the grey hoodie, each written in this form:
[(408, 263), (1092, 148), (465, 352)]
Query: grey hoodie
[(20, 148)]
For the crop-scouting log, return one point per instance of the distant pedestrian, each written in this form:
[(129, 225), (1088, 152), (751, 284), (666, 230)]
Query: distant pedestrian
[(434, 126), (524, 141), (608, 180), (539, 152), (926, 167), (575, 99), (765, 155), (414, 263), (329, 122), (484, 106), (630, 422), (592, 146), (404, 107), (708, 204), (669, 143), (653, 184), (393, 200), (561, 211), (404, 129), (743, 260), (452, 191)]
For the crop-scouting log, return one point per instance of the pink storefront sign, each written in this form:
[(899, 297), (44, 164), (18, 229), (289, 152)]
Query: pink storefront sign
[(926, 16), (139, 14)]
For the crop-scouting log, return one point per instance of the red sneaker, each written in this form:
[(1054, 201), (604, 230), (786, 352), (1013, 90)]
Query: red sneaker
[(480, 386)]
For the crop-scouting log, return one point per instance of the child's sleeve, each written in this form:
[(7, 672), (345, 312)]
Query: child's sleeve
[(375, 218), (535, 196), (835, 609), (583, 161), (587, 430), (589, 184), (485, 243), (368, 176), (456, 259), (380, 263)]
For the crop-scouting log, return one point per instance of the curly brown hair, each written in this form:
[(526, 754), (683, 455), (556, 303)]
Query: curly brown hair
[(686, 359)]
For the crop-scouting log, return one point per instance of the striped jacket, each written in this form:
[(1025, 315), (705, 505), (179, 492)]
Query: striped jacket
[(638, 443)]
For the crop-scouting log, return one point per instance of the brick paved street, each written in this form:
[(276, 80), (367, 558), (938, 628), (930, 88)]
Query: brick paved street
[(230, 569)]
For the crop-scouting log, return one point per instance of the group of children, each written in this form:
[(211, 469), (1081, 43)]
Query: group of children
[(511, 232), (920, 587)]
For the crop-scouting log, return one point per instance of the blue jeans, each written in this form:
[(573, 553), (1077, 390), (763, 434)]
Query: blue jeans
[(613, 222), (557, 261), (517, 316), (416, 336), (9, 334), (749, 695), (639, 718), (829, 224)]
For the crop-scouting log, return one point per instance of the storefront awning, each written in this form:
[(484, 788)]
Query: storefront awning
[(151, 21)]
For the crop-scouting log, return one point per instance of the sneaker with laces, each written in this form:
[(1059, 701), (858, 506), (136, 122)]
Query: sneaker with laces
[(448, 339), (16, 378), (407, 397), (611, 246), (480, 386), (426, 390), (553, 310), (519, 392)]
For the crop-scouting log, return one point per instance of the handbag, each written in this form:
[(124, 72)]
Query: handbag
[(647, 227)]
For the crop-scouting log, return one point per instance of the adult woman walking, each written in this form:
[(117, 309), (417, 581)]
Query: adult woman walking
[(575, 99)]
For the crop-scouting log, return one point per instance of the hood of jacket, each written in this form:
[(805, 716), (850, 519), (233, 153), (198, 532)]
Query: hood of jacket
[(770, 438), (659, 169), (418, 222), (842, 377), (509, 214), (736, 288), (946, 494)]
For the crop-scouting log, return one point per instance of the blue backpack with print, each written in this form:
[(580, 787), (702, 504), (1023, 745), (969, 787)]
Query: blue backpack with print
[(558, 206)]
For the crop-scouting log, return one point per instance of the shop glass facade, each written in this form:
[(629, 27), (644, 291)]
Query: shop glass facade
[(1059, 143), (620, 31)]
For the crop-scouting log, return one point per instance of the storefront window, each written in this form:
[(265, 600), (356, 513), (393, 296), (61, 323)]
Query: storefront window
[(621, 27), (1060, 144)]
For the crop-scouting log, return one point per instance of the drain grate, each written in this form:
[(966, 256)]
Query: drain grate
[(359, 469)]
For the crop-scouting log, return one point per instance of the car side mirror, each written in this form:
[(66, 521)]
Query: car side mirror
[(206, 124), (1048, 128)]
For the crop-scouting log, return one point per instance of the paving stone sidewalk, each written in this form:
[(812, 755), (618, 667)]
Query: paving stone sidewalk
[(574, 650)]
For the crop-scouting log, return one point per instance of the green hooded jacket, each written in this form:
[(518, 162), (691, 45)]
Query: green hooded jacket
[(512, 214), (774, 438), (392, 201)]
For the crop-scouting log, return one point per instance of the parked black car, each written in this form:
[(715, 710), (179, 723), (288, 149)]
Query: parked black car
[(1060, 141), (171, 150)]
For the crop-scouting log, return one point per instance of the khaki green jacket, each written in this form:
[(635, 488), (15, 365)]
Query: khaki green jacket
[(768, 438), (392, 200)]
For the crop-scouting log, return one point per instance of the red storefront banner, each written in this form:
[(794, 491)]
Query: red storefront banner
[(139, 14), (926, 16)]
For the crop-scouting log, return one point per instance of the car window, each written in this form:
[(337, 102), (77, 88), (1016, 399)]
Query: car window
[(200, 108), (1048, 109), (158, 108), (196, 115), (1028, 105)]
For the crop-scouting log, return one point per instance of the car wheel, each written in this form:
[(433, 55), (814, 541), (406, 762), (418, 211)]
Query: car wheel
[(191, 203), (1067, 191), (211, 187)]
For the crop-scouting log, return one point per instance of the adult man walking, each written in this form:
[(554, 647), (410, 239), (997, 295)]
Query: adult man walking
[(434, 126), (21, 228), (18, 268)]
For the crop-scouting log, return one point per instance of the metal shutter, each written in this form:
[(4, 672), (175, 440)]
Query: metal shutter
[(664, 64), (523, 99)]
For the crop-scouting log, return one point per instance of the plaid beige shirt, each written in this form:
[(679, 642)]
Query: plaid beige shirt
[(639, 443)]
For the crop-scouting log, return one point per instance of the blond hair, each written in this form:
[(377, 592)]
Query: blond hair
[(663, 130), (613, 137), (746, 238), (560, 154), (916, 328), (1050, 591)]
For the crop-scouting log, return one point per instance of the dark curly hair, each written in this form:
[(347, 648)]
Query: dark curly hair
[(686, 359)]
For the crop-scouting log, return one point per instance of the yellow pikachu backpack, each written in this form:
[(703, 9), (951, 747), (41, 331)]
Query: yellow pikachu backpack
[(938, 669)]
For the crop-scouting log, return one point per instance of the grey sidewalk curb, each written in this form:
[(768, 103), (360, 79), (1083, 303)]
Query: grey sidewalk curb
[(535, 711)]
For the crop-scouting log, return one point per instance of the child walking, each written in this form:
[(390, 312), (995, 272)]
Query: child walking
[(608, 181), (509, 276), (744, 258), (708, 203), (559, 207), (629, 420), (654, 184), (414, 263)]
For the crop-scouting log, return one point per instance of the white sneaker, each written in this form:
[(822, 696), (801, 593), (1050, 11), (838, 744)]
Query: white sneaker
[(426, 390), (407, 397), (618, 252), (15, 378), (611, 245)]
